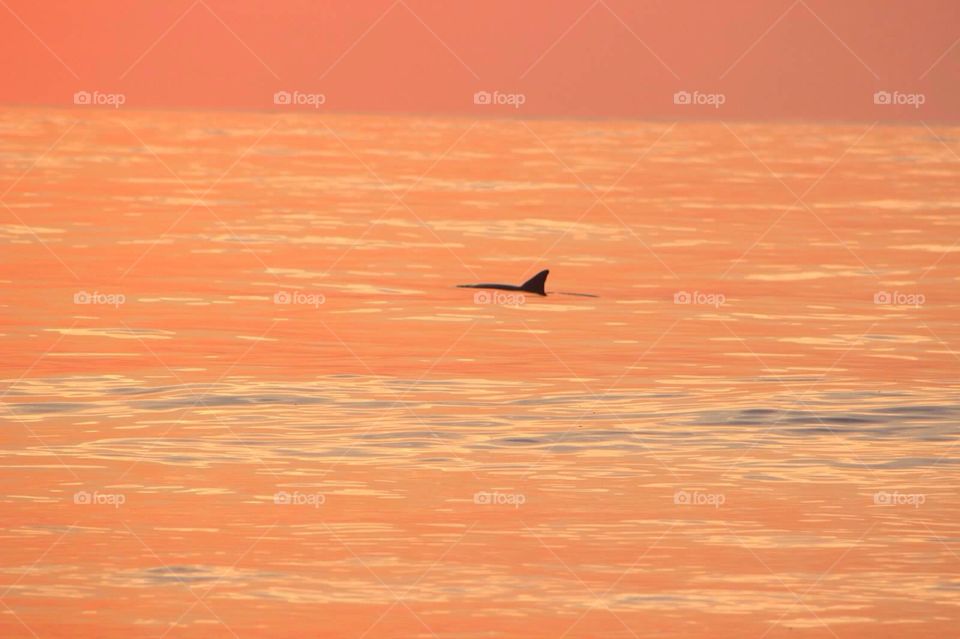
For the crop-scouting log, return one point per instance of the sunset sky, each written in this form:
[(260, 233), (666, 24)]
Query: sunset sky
[(594, 58)]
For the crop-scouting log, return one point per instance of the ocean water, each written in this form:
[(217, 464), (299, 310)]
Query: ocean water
[(243, 397)]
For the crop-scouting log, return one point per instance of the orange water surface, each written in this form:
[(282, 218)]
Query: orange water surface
[(242, 396)]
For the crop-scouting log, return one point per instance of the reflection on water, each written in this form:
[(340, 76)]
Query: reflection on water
[(293, 420), (400, 420)]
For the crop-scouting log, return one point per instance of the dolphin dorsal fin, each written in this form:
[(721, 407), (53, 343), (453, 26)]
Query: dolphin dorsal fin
[(535, 283)]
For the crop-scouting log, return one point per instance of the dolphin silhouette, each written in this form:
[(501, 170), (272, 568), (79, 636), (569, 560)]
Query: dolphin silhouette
[(533, 285)]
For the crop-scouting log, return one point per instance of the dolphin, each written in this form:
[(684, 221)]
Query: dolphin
[(533, 285)]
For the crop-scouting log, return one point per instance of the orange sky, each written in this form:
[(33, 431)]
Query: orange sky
[(769, 58)]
